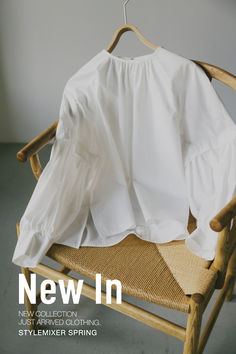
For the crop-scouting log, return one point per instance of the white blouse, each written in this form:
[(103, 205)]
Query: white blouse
[(139, 142)]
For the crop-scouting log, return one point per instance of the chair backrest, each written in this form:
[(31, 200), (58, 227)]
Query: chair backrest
[(219, 74)]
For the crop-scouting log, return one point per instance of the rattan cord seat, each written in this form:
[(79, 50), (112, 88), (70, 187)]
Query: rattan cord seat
[(139, 265)]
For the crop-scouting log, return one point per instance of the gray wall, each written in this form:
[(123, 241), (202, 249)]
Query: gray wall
[(44, 42)]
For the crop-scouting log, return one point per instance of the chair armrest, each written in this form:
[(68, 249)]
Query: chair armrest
[(220, 221), (37, 143)]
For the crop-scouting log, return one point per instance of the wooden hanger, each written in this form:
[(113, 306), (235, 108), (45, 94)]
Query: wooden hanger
[(127, 27)]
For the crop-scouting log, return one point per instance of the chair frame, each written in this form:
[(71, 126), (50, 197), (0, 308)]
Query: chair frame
[(224, 263)]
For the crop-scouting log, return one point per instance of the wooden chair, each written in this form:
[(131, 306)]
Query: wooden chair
[(149, 271)]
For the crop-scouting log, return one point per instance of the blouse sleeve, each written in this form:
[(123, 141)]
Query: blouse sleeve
[(62, 191), (209, 150)]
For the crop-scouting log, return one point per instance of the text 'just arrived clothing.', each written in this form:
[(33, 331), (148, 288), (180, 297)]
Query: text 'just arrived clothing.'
[(139, 141)]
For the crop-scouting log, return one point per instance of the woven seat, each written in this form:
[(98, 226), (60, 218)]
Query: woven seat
[(142, 267)]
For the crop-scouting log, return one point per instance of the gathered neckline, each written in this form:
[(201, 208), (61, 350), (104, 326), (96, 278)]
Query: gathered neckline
[(132, 60)]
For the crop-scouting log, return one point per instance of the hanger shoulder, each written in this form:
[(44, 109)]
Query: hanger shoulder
[(125, 28), (143, 39)]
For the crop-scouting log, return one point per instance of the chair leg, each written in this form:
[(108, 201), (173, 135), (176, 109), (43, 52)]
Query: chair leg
[(231, 271), (193, 324), (230, 291), (30, 308)]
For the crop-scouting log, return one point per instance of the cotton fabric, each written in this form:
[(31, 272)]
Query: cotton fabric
[(139, 142)]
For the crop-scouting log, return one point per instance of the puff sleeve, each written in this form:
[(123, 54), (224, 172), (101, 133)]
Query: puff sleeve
[(209, 150), (61, 196)]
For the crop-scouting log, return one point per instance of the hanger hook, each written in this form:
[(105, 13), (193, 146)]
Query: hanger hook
[(124, 9)]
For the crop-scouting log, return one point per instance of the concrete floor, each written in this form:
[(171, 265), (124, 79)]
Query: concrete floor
[(117, 334)]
